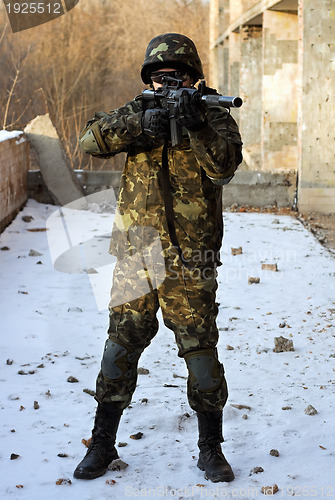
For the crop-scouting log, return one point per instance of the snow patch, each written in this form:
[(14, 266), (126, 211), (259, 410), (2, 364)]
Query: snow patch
[(6, 134)]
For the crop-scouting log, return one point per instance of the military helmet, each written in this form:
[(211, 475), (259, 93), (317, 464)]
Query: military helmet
[(171, 49)]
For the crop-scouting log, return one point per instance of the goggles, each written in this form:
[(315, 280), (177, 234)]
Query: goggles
[(157, 76)]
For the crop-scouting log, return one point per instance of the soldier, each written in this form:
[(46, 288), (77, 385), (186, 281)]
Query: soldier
[(177, 191)]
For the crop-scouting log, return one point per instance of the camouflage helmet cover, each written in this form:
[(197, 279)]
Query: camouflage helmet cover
[(171, 49)]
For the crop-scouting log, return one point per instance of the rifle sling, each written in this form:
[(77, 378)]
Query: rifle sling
[(168, 204)]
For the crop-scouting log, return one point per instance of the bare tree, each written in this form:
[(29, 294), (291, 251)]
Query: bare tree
[(88, 60)]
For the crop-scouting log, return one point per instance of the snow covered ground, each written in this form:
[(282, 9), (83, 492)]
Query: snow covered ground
[(51, 329)]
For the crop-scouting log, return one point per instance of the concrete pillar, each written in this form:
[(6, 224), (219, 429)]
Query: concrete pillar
[(212, 76), (220, 67), (280, 60), (234, 63), (316, 191), (224, 82), (251, 75)]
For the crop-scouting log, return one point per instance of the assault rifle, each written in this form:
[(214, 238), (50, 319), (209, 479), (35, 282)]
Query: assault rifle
[(172, 90)]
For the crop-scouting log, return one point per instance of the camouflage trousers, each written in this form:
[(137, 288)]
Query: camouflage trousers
[(187, 301)]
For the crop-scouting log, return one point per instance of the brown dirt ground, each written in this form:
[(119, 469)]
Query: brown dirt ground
[(322, 226)]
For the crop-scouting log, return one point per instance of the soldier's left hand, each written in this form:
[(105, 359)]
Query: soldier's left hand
[(188, 111)]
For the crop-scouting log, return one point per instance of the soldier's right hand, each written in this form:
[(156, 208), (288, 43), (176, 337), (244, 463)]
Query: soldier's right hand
[(155, 123)]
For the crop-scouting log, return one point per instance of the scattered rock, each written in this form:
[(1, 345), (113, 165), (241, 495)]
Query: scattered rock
[(144, 400), (9, 362), (310, 410), (27, 218), (240, 407), (4, 248), (136, 436), (282, 325), (74, 309), (252, 280), (283, 345), (245, 416), (261, 349), (143, 371), (269, 267), (175, 375), (236, 251), (13, 397), (229, 347), (72, 380), (122, 445), (110, 481), (117, 464), (274, 453), (256, 470), (287, 408), (270, 490), (39, 262), (91, 270), (89, 391), (36, 405), (22, 372), (14, 456), (62, 455), (86, 442), (63, 481), (34, 253)]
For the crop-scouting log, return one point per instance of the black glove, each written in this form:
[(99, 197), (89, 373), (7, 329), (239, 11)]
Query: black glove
[(155, 123), (188, 111)]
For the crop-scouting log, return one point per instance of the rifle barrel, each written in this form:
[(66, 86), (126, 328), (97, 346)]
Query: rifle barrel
[(223, 100)]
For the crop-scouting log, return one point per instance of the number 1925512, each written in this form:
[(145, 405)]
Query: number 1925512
[(34, 8)]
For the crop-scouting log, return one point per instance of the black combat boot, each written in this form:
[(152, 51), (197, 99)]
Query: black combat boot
[(211, 459), (101, 452)]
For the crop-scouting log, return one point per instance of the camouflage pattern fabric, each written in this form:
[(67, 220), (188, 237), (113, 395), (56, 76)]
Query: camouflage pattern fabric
[(206, 156), (186, 297), (187, 301), (171, 49)]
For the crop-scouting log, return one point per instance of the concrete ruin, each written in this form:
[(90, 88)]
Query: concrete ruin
[(279, 56), (61, 181)]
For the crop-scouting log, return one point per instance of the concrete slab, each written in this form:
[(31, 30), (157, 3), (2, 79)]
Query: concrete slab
[(58, 176), (261, 189)]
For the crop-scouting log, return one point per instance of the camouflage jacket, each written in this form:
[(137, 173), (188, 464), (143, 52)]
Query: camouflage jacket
[(198, 167)]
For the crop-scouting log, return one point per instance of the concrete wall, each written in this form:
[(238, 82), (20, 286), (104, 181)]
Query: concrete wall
[(279, 56), (254, 188), (14, 165), (280, 69), (317, 111), (90, 182), (251, 92), (261, 189)]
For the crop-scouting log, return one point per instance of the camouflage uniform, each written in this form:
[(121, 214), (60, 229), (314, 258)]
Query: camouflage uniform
[(198, 167)]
